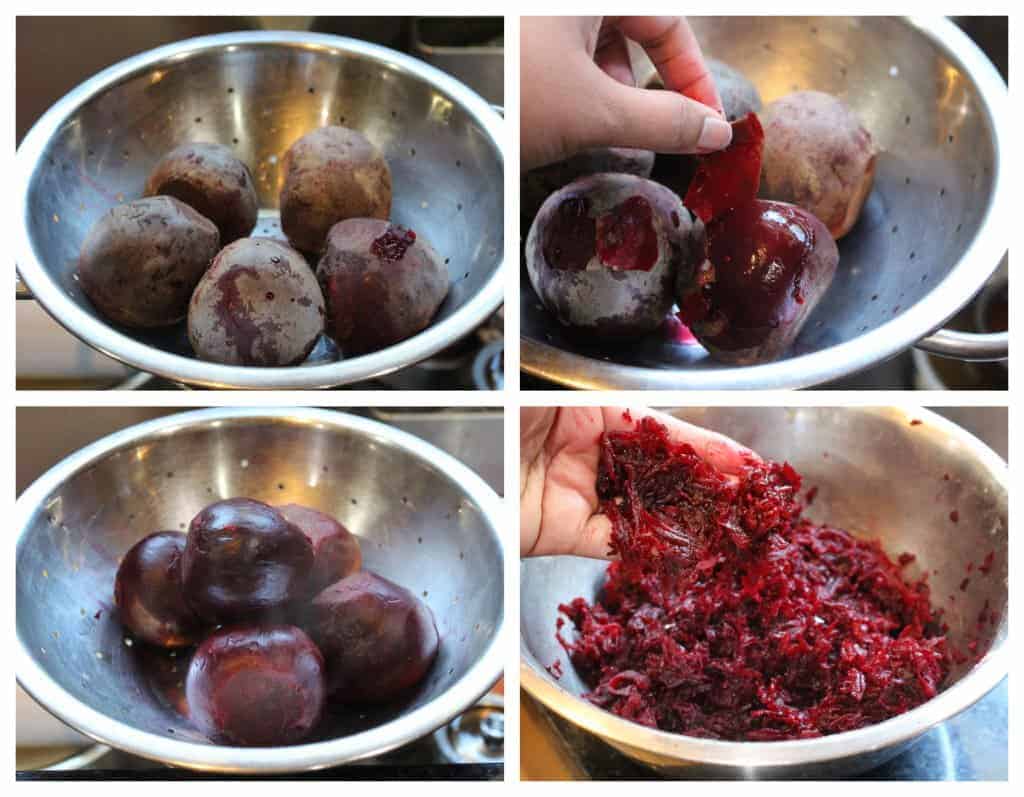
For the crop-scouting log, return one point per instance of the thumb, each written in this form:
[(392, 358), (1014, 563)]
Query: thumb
[(659, 120)]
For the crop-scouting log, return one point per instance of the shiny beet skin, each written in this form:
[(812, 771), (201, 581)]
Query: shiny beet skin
[(335, 549), (768, 264), (147, 590), (244, 560), (256, 686), (378, 639)]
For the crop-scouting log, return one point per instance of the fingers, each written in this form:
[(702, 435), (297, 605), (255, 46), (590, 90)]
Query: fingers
[(673, 49), (662, 121), (612, 56)]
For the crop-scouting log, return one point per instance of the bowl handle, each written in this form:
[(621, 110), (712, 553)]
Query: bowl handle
[(970, 346)]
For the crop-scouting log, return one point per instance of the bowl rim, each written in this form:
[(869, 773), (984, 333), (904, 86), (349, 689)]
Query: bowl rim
[(462, 694), (979, 260), (107, 339), (978, 681)]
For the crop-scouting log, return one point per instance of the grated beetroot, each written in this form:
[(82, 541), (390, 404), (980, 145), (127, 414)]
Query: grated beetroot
[(727, 615)]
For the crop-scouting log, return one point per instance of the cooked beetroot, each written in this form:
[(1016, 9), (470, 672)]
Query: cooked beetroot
[(730, 177), (336, 551), (729, 616), (259, 304), (331, 174), (149, 596), (818, 155), (141, 261), (767, 266), (244, 560), (210, 179), (378, 639), (382, 282), (256, 686), (604, 251)]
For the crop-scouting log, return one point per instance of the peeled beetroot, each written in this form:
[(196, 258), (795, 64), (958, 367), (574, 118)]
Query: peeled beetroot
[(256, 686), (729, 616), (336, 551), (244, 560), (378, 639), (149, 596), (766, 264)]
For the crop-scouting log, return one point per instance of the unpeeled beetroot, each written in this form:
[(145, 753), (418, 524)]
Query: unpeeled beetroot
[(729, 616)]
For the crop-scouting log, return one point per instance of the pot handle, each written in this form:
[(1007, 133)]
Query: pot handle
[(21, 290), (969, 346)]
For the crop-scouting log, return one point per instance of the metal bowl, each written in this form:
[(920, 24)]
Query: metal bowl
[(258, 93), (931, 233), (878, 476), (424, 520)]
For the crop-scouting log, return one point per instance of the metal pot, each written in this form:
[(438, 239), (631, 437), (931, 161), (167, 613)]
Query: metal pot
[(258, 93), (931, 233), (879, 476), (424, 520)]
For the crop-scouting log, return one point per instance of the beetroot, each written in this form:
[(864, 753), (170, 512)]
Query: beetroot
[(378, 639), (729, 616), (336, 552), (766, 264), (256, 686), (243, 561), (149, 596), (604, 252)]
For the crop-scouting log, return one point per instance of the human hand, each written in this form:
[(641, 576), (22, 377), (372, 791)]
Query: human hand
[(558, 460), (577, 89)]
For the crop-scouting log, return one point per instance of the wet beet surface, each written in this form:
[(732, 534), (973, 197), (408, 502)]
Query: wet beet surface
[(756, 258), (728, 178), (256, 686), (729, 616), (626, 238)]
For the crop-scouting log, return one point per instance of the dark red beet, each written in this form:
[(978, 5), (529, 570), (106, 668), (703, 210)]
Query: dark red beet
[(729, 616), (256, 686), (244, 560), (378, 639), (335, 549), (571, 237), (149, 596), (730, 177), (626, 238), (768, 264)]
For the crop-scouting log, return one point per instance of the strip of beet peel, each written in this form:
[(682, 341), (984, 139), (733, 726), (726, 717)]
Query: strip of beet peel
[(728, 178)]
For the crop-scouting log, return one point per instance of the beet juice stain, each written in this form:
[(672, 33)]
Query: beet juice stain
[(728, 615)]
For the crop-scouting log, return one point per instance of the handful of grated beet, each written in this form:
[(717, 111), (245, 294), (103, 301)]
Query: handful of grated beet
[(729, 616)]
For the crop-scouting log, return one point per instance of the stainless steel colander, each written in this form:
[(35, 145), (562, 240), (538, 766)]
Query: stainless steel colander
[(424, 520), (258, 93), (932, 232)]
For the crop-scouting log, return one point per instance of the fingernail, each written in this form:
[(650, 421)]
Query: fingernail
[(715, 134)]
